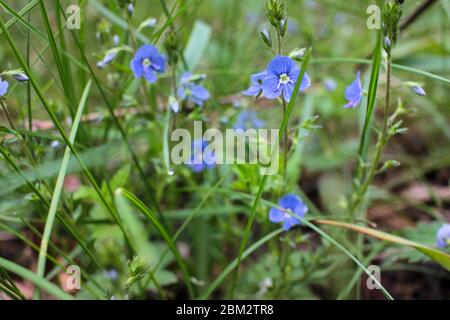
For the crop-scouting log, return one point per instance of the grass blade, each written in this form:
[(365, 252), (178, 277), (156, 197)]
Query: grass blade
[(439, 256), (40, 282), (162, 231), (59, 185), (234, 264)]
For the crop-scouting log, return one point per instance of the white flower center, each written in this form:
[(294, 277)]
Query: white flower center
[(147, 63), (284, 79)]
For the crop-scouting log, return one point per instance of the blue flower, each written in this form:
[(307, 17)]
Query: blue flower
[(111, 274), (131, 9), (292, 203), (147, 62), (21, 77), (190, 89), (387, 43), (330, 85), (256, 84), (116, 39), (282, 74), (443, 236), (354, 93), (418, 90), (248, 119), (201, 160), (3, 87), (109, 57)]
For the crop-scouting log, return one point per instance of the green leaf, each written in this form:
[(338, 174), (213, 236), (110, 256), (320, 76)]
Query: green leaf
[(440, 257), (197, 44)]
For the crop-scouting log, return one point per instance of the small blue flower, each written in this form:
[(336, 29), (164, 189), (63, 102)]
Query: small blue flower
[(190, 89), (418, 90), (256, 84), (248, 119), (354, 92), (147, 62), (281, 79), (111, 274), (443, 236), (116, 39), (330, 85), (292, 203), (109, 57), (21, 77), (201, 160), (387, 43), (3, 87), (131, 9)]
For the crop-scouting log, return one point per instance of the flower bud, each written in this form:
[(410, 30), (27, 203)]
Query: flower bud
[(265, 35), (387, 43), (418, 91), (283, 27), (21, 77), (416, 88), (297, 54)]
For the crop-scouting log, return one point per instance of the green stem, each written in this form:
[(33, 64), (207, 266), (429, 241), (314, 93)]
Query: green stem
[(382, 141)]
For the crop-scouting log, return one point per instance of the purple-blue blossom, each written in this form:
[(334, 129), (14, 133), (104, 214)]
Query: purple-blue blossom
[(191, 90), (443, 236), (107, 59), (112, 274), (418, 90), (292, 208), (282, 75), (147, 62), (4, 85), (330, 85), (248, 119), (354, 92), (20, 76), (201, 157), (256, 82)]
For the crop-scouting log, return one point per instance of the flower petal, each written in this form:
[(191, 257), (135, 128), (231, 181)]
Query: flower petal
[(271, 88), (354, 91), (289, 223), (200, 92), (150, 76), (252, 91), (3, 87), (257, 78), (276, 215), (137, 67), (290, 201), (281, 65)]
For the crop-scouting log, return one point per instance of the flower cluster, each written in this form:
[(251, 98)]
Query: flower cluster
[(278, 81), (292, 209)]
